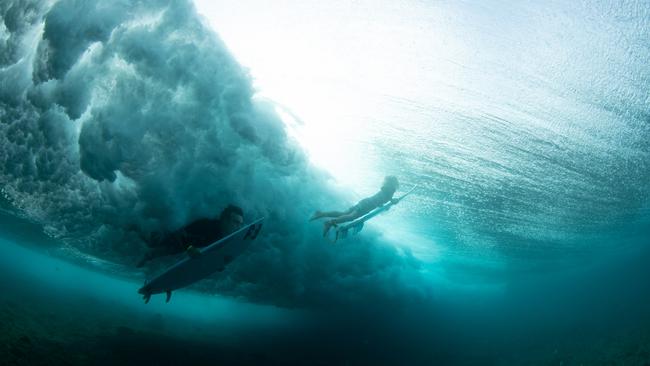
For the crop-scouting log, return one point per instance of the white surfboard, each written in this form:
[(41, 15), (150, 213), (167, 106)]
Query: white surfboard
[(212, 258), (357, 225)]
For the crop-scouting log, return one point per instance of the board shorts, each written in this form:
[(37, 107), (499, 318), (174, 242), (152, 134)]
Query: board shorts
[(364, 206)]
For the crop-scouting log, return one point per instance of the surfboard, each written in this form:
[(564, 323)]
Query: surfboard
[(211, 259), (357, 225)]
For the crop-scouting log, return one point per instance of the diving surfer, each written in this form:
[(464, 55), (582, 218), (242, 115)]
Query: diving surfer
[(363, 207), (198, 234)]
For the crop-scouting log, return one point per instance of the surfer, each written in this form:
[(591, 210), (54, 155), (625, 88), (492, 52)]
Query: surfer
[(364, 206), (198, 234)]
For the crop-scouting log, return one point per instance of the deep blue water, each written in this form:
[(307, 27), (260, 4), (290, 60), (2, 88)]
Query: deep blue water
[(525, 127)]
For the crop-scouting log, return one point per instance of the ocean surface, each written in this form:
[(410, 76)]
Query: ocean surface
[(525, 128)]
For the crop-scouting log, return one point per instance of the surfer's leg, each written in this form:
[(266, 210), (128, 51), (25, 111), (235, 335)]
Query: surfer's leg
[(320, 214), (346, 217), (158, 252), (327, 225), (145, 258), (145, 237)]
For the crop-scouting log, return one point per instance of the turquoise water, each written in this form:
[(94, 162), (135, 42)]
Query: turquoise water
[(525, 127)]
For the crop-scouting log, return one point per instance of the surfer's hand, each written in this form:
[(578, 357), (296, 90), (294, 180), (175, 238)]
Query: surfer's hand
[(193, 252)]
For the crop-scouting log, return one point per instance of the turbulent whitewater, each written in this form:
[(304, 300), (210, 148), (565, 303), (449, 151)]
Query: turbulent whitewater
[(525, 127), (135, 113)]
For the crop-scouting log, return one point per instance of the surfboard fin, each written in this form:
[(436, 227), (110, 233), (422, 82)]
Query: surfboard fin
[(253, 231), (249, 232), (146, 298), (257, 231), (169, 296)]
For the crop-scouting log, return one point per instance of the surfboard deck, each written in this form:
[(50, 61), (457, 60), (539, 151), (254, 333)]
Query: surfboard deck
[(357, 225), (211, 259)]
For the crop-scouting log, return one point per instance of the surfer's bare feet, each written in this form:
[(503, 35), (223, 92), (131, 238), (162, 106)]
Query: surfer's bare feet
[(326, 227), (317, 215)]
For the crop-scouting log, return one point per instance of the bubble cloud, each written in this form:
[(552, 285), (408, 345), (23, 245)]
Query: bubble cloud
[(135, 113)]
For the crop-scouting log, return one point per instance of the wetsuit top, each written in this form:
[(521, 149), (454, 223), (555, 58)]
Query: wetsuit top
[(203, 232), (368, 204)]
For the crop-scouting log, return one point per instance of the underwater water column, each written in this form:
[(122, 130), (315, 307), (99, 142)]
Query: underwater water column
[(524, 127)]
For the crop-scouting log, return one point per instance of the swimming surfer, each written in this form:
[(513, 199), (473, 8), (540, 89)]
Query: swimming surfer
[(198, 234), (363, 207)]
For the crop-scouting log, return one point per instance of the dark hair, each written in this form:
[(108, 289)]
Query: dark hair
[(232, 209)]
